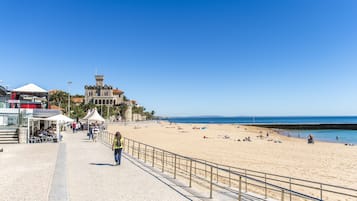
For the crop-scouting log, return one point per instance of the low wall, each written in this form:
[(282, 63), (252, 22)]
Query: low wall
[(22, 132), (309, 126)]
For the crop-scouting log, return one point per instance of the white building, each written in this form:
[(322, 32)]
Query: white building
[(102, 94)]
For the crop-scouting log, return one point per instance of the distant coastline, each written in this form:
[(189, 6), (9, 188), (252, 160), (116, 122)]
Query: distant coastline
[(266, 119), (337, 129)]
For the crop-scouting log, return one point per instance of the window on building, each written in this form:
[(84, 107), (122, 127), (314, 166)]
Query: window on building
[(111, 102), (100, 102), (95, 102)]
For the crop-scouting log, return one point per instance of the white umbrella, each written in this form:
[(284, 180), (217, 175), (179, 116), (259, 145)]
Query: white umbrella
[(95, 116), (59, 119), (89, 112)]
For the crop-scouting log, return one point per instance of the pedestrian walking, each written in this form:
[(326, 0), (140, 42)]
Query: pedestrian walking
[(90, 134), (117, 147), (74, 126)]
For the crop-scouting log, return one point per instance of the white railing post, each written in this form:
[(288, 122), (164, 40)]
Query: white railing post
[(211, 183)]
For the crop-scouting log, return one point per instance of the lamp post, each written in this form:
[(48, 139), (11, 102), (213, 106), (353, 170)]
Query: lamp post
[(69, 99)]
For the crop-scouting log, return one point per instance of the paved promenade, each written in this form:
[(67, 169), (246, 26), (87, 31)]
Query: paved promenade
[(78, 169)]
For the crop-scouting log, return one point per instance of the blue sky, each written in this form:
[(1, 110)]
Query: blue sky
[(194, 57)]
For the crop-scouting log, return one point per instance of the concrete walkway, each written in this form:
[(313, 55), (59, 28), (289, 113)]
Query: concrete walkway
[(91, 175), (78, 169)]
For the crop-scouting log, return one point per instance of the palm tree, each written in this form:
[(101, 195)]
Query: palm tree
[(122, 109), (60, 99)]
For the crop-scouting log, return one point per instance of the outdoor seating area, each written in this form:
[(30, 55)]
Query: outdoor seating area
[(43, 136)]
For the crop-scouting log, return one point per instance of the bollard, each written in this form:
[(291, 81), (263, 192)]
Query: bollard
[(321, 191), (190, 173)]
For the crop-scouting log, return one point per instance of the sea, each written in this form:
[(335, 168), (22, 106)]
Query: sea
[(348, 137)]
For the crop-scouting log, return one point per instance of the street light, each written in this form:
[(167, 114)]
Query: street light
[(69, 99)]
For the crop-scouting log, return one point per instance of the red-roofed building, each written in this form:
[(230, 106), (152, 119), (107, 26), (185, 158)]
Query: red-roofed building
[(117, 91), (77, 100)]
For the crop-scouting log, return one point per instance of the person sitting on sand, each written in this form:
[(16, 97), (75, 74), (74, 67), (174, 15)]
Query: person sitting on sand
[(310, 139)]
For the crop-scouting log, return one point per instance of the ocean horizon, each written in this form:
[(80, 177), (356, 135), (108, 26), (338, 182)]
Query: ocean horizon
[(329, 135)]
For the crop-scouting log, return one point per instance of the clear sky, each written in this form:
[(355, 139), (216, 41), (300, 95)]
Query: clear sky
[(190, 57)]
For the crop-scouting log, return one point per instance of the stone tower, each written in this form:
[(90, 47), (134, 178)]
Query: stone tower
[(99, 80)]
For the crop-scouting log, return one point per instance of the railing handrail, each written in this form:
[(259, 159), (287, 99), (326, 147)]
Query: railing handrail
[(233, 170), (286, 177)]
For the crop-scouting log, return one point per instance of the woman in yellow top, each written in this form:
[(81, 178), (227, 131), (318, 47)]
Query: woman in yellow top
[(117, 146)]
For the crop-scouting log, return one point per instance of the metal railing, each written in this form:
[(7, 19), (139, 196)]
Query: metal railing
[(236, 181)]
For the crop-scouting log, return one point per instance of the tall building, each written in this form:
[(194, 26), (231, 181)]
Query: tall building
[(102, 94)]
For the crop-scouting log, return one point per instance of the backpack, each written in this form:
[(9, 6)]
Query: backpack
[(119, 143)]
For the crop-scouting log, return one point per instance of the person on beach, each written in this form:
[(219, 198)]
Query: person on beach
[(117, 147), (310, 139)]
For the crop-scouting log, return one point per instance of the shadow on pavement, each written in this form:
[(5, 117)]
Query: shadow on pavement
[(101, 164)]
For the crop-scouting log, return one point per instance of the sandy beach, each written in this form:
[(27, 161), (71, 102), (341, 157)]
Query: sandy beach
[(324, 162)]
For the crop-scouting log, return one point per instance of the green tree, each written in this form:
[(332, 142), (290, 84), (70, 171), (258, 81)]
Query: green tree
[(88, 106), (60, 99), (125, 98), (122, 109)]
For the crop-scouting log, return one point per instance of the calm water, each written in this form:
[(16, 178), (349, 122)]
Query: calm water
[(344, 136), (340, 136)]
